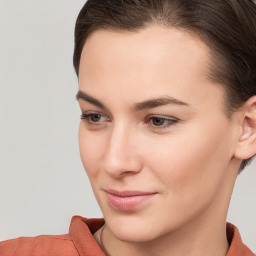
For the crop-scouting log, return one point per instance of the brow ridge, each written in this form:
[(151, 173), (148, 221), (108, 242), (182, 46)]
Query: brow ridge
[(86, 97), (147, 104)]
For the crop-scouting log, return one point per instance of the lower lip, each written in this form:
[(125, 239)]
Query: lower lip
[(127, 203)]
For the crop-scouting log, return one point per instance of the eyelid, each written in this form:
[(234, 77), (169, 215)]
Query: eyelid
[(162, 117)]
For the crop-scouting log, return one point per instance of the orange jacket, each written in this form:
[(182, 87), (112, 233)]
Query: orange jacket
[(80, 242)]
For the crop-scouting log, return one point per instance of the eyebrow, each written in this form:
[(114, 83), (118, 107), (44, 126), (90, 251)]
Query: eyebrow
[(148, 104), (86, 97), (156, 102)]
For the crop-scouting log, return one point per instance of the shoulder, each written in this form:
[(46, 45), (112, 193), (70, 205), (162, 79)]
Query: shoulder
[(50, 245), (79, 241)]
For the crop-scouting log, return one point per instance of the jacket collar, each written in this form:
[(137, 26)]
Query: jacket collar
[(237, 247)]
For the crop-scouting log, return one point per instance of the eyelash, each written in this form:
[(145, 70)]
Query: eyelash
[(170, 121), (87, 118)]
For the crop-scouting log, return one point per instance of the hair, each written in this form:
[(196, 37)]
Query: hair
[(228, 27)]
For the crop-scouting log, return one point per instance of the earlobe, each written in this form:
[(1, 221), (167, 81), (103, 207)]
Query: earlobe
[(246, 143)]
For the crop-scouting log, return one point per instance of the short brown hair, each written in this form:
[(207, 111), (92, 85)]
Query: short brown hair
[(228, 27)]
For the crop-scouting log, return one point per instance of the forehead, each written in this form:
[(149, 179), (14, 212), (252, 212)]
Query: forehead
[(153, 45), (154, 60)]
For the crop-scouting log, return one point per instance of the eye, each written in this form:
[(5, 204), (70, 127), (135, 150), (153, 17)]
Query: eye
[(159, 122), (94, 118)]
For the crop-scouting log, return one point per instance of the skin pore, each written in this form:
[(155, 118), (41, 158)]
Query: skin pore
[(153, 122)]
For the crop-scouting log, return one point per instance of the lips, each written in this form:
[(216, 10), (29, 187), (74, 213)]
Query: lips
[(127, 200)]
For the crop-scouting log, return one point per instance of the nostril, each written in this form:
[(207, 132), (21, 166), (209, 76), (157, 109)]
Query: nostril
[(126, 173)]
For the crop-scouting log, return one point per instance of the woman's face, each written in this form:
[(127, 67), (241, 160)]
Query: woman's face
[(154, 139)]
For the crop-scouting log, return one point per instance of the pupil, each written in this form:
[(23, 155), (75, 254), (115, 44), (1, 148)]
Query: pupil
[(158, 121), (95, 117)]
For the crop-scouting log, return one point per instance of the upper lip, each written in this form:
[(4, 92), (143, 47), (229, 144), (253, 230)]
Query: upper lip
[(128, 193)]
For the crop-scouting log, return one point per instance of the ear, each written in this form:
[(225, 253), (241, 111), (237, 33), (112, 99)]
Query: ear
[(246, 144)]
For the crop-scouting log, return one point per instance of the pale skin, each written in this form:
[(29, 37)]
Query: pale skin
[(191, 165)]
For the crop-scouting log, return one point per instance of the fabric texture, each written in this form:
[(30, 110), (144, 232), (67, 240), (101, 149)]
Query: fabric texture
[(80, 242)]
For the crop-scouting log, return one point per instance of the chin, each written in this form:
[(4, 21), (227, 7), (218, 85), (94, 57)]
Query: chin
[(132, 235), (132, 229)]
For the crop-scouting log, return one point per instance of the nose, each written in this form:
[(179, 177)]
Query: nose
[(122, 155)]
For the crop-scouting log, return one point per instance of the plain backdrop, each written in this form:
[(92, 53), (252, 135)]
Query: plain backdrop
[(42, 181)]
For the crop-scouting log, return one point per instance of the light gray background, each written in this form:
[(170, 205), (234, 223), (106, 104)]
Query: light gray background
[(42, 181)]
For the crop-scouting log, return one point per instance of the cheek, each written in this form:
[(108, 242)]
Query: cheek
[(191, 164)]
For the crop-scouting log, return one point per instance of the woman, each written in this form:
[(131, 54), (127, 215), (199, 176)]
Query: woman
[(167, 91)]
